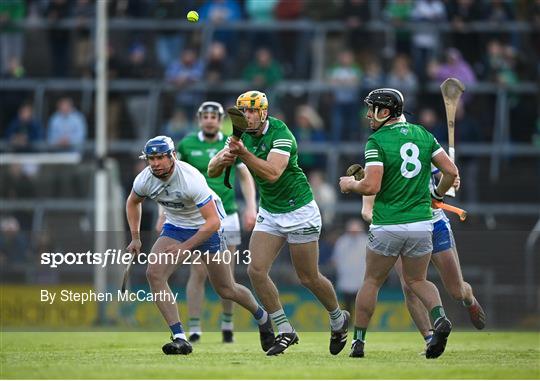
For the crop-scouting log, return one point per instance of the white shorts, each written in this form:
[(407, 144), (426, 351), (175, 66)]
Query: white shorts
[(299, 226), (231, 229), (408, 240)]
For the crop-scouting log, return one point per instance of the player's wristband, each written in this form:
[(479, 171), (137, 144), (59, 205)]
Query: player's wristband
[(436, 196)]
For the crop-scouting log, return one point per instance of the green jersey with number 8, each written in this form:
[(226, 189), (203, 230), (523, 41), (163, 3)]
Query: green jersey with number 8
[(405, 151)]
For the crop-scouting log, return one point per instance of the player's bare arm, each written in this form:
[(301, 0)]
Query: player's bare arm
[(247, 184), (220, 161), (367, 208), (449, 172), (368, 186), (161, 219), (270, 169), (457, 181), (133, 213)]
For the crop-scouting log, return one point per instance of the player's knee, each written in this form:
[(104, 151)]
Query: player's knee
[(199, 277), (256, 273), (407, 291), (226, 292), (308, 280), (153, 275)]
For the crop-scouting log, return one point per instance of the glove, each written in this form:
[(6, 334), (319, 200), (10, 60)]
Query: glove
[(355, 170), (436, 196)]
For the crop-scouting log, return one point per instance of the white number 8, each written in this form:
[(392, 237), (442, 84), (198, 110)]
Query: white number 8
[(412, 159)]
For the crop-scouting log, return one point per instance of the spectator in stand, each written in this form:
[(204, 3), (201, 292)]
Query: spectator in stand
[(430, 120), (403, 78), (14, 244), (18, 182), (178, 126), (499, 64), (262, 12), (454, 66), (83, 49), (24, 131), (317, 10), (14, 69), (426, 14), (217, 69), (345, 76), (356, 14), (169, 43), (295, 44), (11, 35), (264, 72), (309, 128), (67, 127), (460, 13), (325, 196), (349, 259), (373, 76), (499, 11), (59, 40), (398, 12), (138, 66), (187, 70), (221, 12)]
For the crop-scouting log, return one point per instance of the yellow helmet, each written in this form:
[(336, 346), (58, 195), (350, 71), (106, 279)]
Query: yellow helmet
[(252, 99)]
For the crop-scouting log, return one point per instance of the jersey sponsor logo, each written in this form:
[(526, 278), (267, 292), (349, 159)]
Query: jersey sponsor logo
[(174, 205), (211, 152), (196, 153)]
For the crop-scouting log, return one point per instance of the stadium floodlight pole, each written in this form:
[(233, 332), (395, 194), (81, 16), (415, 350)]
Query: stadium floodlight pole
[(100, 179)]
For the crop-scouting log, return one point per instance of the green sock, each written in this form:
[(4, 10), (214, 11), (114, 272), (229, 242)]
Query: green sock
[(436, 313), (360, 334)]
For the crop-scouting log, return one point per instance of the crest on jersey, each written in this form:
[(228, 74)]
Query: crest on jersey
[(404, 130)]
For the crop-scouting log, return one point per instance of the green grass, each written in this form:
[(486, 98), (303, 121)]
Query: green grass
[(129, 355)]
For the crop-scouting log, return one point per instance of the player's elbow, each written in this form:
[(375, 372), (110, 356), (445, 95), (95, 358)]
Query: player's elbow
[(366, 216), (451, 171), (371, 189)]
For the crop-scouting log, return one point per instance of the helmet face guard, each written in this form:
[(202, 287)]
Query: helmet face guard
[(388, 98), (159, 146), (254, 100), (213, 107)]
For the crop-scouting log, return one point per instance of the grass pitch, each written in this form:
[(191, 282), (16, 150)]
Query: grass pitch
[(389, 355)]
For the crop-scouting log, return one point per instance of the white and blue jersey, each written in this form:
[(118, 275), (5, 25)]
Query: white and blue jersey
[(181, 195), (443, 237)]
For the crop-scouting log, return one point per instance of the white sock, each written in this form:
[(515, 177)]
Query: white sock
[(263, 319), (336, 319), (180, 336), (281, 321)]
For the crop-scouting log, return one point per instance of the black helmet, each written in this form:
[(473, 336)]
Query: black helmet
[(211, 107), (391, 99)]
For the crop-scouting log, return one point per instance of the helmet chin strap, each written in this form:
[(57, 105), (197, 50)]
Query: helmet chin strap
[(380, 120)]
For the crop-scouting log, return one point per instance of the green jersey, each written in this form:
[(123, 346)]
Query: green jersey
[(405, 151), (291, 191), (193, 149)]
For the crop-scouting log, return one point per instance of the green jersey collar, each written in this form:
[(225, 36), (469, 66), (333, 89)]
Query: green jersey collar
[(201, 136)]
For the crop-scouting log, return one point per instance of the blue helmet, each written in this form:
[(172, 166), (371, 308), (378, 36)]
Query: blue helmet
[(160, 145)]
